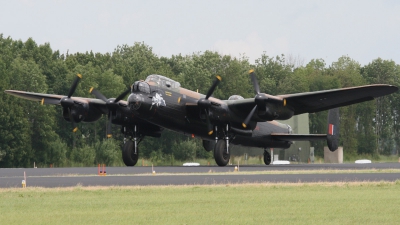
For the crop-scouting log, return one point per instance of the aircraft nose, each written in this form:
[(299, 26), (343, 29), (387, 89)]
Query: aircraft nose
[(135, 101)]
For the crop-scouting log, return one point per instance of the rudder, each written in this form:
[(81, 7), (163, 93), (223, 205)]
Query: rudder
[(333, 129)]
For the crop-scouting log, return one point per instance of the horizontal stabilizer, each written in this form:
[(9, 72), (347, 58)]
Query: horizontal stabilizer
[(242, 132), (298, 137)]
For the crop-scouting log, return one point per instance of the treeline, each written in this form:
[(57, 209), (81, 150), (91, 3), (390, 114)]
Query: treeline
[(30, 132)]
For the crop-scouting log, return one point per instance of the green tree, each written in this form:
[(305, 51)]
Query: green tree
[(271, 72), (347, 73), (57, 153), (386, 114)]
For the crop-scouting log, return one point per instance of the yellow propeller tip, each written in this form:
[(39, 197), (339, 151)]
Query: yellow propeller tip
[(219, 78), (91, 89), (284, 102), (211, 132), (79, 75), (42, 102), (75, 129), (244, 125), (251, 71)]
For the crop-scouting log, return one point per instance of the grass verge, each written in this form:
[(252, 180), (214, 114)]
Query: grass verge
[(319, 203), (232, 172)]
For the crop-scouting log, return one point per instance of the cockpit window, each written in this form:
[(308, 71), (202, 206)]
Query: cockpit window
[(135, 86), (235, 97), (153, 78), (144, 87), (176, 85), (162, 81), (140, 86)]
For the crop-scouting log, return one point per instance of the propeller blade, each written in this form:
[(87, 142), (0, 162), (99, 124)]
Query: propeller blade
[(254, 81), (214, 85), (121, 96), (74, 85), (247, 120), (209, 125), (98, 94), (109, 134), (71, 119), (111, 106)]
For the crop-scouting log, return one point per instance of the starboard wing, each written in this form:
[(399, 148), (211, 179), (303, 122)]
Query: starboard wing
[(310, 102), (317, 101)]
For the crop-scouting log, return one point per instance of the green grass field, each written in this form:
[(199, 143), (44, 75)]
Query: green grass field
[(321, 203)]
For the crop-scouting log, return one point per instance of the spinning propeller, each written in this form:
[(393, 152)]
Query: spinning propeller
[(111, 103), (68, 103), (205, 104), (260, 99)]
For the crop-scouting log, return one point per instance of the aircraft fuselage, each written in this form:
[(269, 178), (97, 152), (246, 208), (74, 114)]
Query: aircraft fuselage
[(177, 109)]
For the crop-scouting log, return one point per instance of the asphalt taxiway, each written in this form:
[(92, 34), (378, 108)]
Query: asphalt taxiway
[(201, 175)]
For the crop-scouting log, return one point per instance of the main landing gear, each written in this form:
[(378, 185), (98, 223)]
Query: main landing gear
[(130, 150), (221, 150), (267, 157)]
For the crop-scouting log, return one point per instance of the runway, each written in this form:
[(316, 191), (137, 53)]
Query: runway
[(203, 175)]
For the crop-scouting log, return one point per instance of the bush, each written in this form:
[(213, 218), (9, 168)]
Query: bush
[(57, 153), (107, 152), (85, 155)]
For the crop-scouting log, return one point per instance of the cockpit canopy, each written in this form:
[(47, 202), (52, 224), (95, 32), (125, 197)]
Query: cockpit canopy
[(154, 80), (141, 86), (235, 97), (162, 81)]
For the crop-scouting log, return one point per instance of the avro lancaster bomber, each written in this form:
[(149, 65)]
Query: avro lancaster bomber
[(159, 103)]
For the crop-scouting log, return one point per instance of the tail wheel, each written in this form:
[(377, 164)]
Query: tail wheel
[(267, 158), (128, 153), (221, 156)]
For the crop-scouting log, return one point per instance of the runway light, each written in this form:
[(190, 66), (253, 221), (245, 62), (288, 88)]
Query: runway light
[(101, 172), (24, 181), (192, 135)]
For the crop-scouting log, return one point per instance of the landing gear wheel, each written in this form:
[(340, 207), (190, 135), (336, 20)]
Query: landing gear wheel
[(221, 156), (128, 153), (267, 158)]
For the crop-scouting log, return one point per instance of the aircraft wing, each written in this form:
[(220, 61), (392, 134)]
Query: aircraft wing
[(298, 137), (38, 97), (55, 99), (241, 107), (310, 102)]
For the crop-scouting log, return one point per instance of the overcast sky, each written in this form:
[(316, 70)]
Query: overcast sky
[(363, 30)]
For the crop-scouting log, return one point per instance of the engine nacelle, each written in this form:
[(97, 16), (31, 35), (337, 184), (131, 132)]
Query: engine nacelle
[(81, 112), (275, 112)]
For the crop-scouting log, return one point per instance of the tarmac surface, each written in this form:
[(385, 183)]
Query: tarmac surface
[(200, 175)]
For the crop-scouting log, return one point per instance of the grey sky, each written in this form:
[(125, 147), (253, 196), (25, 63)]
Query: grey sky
[(363, 30)]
